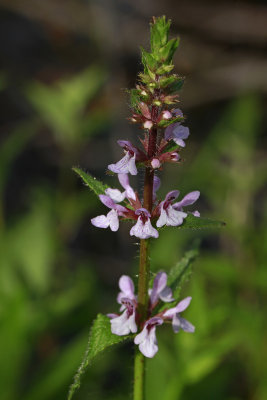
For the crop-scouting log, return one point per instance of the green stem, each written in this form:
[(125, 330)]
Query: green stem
[(144, 270), (139, 375)]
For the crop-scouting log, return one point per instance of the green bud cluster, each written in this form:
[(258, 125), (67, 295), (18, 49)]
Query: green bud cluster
[(158, 65)]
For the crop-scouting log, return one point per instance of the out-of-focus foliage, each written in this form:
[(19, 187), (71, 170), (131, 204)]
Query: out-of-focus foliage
[(62, 107), (44, 301)]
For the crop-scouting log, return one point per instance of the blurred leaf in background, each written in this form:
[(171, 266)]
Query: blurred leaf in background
[(45, 287), (63, 106)]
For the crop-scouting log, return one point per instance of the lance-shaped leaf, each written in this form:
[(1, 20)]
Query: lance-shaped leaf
[(191, 222), (96, 186), (100, 339)]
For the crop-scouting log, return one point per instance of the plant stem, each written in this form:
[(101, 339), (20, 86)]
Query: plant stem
[(144, 270), (139, 375)]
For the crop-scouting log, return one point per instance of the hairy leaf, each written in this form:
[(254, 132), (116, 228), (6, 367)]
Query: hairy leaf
[(166, 52), (191, 222), (159, 32), (100, 339), (180, 274), (96, 186)]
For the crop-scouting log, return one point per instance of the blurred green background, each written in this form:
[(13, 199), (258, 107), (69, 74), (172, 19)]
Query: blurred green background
[(64, 68)]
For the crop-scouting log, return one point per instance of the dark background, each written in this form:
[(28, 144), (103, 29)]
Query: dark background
[(64, 68)]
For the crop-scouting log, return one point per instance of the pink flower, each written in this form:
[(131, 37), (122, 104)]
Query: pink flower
[(116, 195), (168, 215), (125, 323), (112, 218), (160, 290), (177, 321), (143, 228), (146, 339), (125, 165)]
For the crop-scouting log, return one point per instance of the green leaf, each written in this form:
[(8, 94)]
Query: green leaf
[(191, 222), (96, 186), (181, 272), (135, 99), (166, 122), (100, 339), (166, 52), (159, 32), (171, 146), (148, 60), (164, 69), (176, 86)]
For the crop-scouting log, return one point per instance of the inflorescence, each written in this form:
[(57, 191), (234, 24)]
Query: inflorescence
[(154, 107)]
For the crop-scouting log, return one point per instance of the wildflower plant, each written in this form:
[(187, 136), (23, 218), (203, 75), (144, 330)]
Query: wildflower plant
[(142, 310)]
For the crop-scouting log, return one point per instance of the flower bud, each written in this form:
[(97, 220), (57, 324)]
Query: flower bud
[(155, 163), (148, 124), (166, 114)]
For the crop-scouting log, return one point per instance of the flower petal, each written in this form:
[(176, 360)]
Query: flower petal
[(146, 339), (113, 219), (127, 145), (168, 134), (170, 217), (150, 231), (107, 201), (149, 346), (159, 284), (188, 199), (181, 306), (143, 230), (100, 222), (172, 195), (115, 194), (126, 286), (144, 211), (181, 323), (180, 132), (123, 324), (125, 165), (174, 218), (124, 181), (166, 295), (162, 218), (132, 167)]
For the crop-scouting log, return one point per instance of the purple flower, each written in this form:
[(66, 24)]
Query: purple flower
[(124, 181), (176, 131), (143, 228), (124, 323), (116, 195), (125, 165), (112, 218), (177, 321), (168, 215), (160, 290), (146, 339), (127, 289), (188, 199)]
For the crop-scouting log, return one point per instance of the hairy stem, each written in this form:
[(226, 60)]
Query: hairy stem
[(144, 270), (139, 375)]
